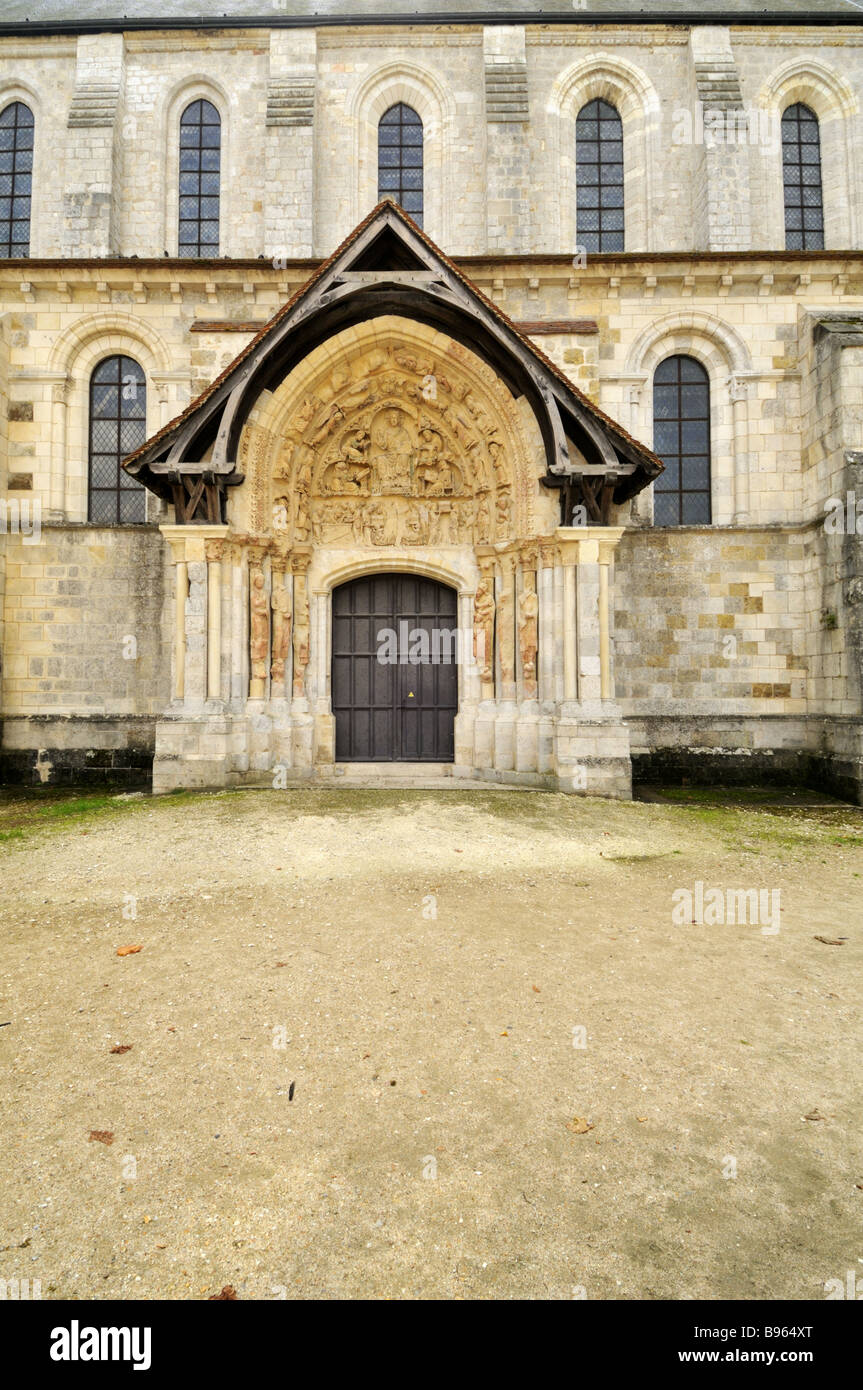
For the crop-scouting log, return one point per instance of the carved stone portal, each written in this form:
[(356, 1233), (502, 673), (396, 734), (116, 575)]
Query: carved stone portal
[(396, 448)]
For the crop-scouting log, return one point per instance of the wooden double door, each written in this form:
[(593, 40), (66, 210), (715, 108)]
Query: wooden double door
[(387, 707)]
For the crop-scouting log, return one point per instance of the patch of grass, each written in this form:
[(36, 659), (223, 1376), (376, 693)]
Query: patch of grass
[(24, 812)]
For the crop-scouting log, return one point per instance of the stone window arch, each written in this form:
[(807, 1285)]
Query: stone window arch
[(624, 87), (433, 102), (75, 356), (17, 136), (726, 361), (834, 106)]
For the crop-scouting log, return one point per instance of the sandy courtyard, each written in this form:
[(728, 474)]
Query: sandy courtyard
[(368, 1034)]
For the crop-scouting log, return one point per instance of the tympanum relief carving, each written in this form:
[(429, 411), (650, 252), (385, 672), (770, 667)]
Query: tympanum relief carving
[(393, 451)]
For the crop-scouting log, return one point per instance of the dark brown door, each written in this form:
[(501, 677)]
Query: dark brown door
[(395, 675)]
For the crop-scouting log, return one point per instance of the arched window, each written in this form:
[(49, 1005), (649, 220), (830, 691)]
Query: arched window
[(16, 179), (400, 159), (681, 438), (118, 408), (801, 174), (599, 177), (200, 164)]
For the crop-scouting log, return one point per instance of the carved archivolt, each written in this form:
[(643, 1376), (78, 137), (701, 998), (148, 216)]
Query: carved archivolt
[(391, 434)]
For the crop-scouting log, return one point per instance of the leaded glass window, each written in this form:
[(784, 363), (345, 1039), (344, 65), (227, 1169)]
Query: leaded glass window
[(801, 175), (599, 177), (400, 159), (16, 179), (200, 164), (681, 438), (118, 409)]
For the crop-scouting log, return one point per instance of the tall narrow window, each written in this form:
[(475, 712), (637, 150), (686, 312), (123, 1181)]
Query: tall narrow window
[(599, 177), (681, 438), (801, 173), (400, 159), (200, 163), (16, 179), (118, 408)]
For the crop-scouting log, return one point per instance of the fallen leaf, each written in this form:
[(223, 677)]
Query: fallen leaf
[(642, 1119), (579, 1126), (122, 1047), (830, 940), (504, 1035), (128, 950), (227, 1293), (104, 1136), (536, 989), (280, 964), (814, 1115)]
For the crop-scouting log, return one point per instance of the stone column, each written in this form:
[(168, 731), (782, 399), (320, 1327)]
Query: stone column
[(214, 551), (239, 627), (57, 505), (591, 741), (570, 599), (181, 571), (739, 391), (545, 591)]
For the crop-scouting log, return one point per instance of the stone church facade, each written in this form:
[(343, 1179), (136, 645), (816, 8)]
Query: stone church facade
[(331, 349)]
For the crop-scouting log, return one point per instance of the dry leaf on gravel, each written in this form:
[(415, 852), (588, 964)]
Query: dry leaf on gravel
[(122, 1047), (103, 1136), (577, 1125), (128, 950), (227, 1293), (830, 940)]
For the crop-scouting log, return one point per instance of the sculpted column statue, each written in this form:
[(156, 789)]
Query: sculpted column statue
[(259, 627), (483, 634), (302, 624), (282, 621), (505, 625), (528, 633)]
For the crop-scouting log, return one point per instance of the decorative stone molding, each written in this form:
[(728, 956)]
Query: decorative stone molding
[(291, 101), (506, 92)]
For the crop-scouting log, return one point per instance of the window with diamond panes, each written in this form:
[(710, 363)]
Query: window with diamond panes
[(16, 179), (801, 174), (681, 438), (400, 159), (599, 177), (118, 408), (200, 163)]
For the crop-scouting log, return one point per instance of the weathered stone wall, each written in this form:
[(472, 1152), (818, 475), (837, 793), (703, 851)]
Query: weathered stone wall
[(87, 660), (300, 109)]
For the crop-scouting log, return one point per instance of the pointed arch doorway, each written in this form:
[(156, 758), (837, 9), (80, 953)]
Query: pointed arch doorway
[(394, 669)]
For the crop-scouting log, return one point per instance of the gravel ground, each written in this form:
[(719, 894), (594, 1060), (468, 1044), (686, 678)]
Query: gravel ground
[(354, 1064)]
